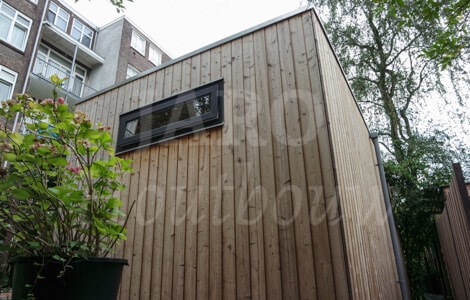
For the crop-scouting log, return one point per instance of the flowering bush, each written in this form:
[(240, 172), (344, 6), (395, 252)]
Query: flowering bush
[(58, 189)]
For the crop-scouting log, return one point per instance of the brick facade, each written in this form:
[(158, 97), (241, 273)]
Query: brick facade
[(13, 58), (113, 65)]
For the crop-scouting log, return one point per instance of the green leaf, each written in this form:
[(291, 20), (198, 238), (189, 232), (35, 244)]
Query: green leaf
[(21, 194), (59, 258)]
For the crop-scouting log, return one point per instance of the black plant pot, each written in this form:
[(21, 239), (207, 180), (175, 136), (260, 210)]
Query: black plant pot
[(83, 279)]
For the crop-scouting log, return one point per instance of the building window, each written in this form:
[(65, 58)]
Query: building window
[(49, 62), (34, 1), (179, 115), (82, 33), (131, 71), (7, 83), (14, 26), (138, 42), (57, 16), (155, 56)]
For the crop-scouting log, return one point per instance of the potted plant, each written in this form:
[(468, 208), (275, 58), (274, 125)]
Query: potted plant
[(59, 212)]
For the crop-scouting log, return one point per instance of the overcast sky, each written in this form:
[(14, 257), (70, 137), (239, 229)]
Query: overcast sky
[(182, 26)]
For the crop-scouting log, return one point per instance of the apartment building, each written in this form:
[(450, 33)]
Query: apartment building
[(39, 38)]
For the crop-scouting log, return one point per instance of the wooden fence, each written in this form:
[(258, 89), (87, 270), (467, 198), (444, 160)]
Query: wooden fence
[(453, 226)]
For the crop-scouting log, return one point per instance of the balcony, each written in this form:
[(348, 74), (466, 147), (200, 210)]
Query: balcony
[(41, 87), (67, 44)]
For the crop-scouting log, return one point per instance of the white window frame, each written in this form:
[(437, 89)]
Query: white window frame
[(155, 55), (16, 23), (57, 10), (34, 1), (46, 65), (138, 42), (131, 71), (81, 29), (4, 70)]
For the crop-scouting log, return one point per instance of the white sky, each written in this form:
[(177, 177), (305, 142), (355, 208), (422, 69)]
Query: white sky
[(180, 27)]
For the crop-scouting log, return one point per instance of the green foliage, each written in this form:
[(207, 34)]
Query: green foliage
[(58, 195), (118, 4), (415, 185), (445, 23)]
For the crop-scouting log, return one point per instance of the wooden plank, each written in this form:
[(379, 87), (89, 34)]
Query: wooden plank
[(203, 218), (138, 271), (268, 190), (242, 244), (203, 213), (190, 284), (316, 202), (170, 205), (154, 223), (158, 186), (228, 209), (120, 247), (169, 233), (180, 205), (126, 280), (113, 118), (141, 173), (124, 92), (215, 197), (151, 89), (147, 220), (180, 219), (297, 187), (191, 243), (328, 190), (281, 166), (254, 201)]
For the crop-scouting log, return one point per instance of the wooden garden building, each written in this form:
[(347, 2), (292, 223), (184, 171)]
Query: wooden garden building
[(255, 174)]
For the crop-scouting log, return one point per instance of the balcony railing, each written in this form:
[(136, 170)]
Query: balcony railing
[(73, 84)]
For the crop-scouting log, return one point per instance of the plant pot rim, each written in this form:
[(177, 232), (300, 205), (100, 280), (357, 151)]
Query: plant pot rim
[(99, 259)]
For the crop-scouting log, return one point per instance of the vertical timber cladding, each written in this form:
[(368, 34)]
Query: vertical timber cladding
[(250, 209), (369, 251)]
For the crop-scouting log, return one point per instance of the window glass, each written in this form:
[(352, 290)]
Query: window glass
[(131, 71), (7, 82), (14, 27), (155, 56), (181, 112), (179, 115), (82, 33), (49, 62), (58, 16), (138, 42)]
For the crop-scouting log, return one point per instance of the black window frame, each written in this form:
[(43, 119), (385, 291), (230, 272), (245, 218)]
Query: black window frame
[(213, 118)]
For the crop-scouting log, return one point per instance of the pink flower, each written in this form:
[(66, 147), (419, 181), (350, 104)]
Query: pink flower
[(47, 101), (74, 170), (60, 100)]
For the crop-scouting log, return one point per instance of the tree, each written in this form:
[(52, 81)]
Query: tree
[(449, 19), (119, 4), (387, 55)]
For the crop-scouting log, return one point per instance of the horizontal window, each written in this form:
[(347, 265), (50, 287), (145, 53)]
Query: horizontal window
[(179, 115)]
